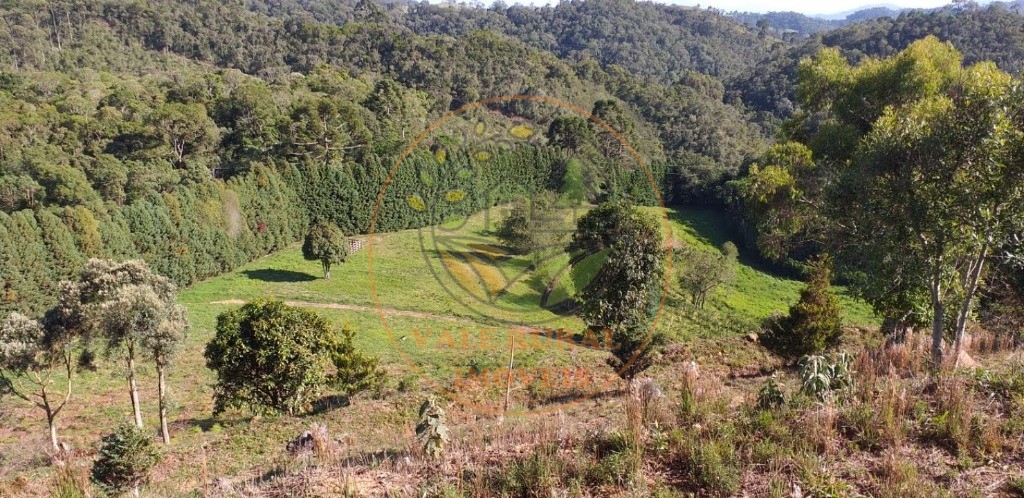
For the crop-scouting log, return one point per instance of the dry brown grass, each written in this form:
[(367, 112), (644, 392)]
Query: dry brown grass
[(898, 477), (818, 427)]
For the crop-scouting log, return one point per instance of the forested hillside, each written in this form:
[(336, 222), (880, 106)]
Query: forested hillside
[(126, 120), (200, 164), (185, 136), (994, 32)]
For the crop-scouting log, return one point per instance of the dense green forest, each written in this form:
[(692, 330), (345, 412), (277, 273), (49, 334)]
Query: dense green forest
[(200, 138), (147, 130)]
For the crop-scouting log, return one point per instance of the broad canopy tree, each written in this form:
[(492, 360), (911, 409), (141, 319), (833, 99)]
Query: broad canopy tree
[(270, 357), (920, 175), (185, 129), (327, 244)]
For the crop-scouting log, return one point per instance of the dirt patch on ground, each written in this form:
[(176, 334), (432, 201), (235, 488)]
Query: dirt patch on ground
[(356, 307)]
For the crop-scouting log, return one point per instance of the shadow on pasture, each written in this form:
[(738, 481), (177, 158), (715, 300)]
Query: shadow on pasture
[(271, 275), (328, 403)]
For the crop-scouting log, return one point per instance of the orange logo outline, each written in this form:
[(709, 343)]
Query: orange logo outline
[(434, 126)]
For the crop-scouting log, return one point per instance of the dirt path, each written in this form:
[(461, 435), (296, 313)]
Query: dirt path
[(355, 307)]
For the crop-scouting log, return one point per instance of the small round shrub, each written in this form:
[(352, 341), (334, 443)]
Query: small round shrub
[(270, 357), (127, 457)]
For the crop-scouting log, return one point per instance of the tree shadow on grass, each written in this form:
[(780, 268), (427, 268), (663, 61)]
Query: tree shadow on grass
[(577, 396), (271, 275), (328, 403), (206, 424)]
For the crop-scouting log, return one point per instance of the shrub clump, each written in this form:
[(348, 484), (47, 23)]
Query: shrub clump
[(813, 323), (270, 357), (127, 458), (824, 376)]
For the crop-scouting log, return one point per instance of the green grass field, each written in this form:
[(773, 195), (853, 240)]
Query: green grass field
[(462, 273)]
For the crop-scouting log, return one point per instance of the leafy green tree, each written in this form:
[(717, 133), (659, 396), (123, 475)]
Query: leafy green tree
[(612, 113), (19, 192), (252, 118), (65, 185), (814, 322), (60, 243), (126, 460), (623, 297), (535, 225), (782, 199), (701, 272), (325, 243), (399, 112), (326, 130), (132, 310), (919, 123), (270, 357), (185, 129), (949, 139), (571, 133), (599, 229)]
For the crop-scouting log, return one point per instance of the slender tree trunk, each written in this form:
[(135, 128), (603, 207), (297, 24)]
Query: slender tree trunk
[(973, 277), (546, 295), (162, 394), (51, 420), (508, 380), (51, 410), (133, 390), (327, 270), (51, 415), (938, 315)]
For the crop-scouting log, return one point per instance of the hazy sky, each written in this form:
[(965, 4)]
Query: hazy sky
[(802, 6), (807, 7)]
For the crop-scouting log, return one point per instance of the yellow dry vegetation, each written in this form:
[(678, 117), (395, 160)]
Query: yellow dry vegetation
[(494, 281), (522, 132), (463, 274)]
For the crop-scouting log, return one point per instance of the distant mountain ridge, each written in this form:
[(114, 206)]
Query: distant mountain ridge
[(803, 25), (862, 13)]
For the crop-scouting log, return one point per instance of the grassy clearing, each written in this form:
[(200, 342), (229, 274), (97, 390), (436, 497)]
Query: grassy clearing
[(460, 270), (738, 308)]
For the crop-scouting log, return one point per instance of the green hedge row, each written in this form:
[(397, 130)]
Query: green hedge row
[(199, 230)]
